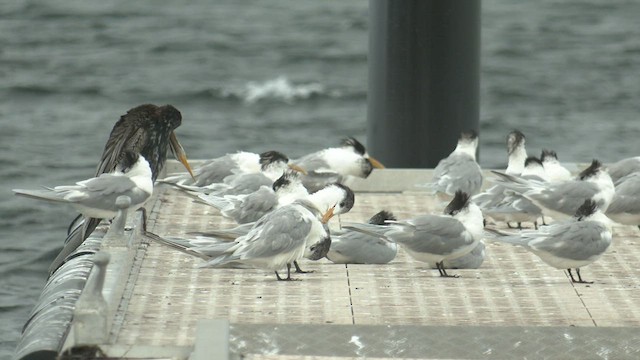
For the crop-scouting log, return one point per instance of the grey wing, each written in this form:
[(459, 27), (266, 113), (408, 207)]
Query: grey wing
[(315, 181), (627, 196), (435, 234), (490, 197), (458, 173), (578, 241), (248, 183), (625, 203), (357, 248), (564, 197), (215, 170), (311, 162), (281, 231), (255, 205), (624, 167), (107, 184)]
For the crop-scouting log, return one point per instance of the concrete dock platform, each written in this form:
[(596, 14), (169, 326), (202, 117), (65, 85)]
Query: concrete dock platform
[(513, 306)]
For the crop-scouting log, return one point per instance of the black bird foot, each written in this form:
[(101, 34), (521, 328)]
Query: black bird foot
[(443, 272), (299, 270), (289, 278), (579, 281)]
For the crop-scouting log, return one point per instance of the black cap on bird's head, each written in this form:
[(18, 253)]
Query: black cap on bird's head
[(349, 199), (587, 208), (460, 201), (355, 144), (381, 218), (531, 160), (548, 154), (269, 157), (288, 177), (515, 139), (592, 170)]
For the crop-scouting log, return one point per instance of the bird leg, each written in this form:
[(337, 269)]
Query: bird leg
[(509, 225), (519, 226), (443, 272), (299, 270), (543, 222), (288, 278), (580, 277), (535, 224), (144, 218)]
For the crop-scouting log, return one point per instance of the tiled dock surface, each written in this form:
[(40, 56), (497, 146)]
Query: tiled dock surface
[(513, 288)]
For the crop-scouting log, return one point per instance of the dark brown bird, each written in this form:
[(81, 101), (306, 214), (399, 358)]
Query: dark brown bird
[(147, 130)]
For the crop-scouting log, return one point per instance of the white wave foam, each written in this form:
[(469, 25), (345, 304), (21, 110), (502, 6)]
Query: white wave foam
[(279, 88)]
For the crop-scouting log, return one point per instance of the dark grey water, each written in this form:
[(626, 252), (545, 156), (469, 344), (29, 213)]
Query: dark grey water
[(279, 74)]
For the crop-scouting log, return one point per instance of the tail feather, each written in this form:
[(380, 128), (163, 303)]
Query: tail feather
[(47, 194), (176, 243), (221, 203)]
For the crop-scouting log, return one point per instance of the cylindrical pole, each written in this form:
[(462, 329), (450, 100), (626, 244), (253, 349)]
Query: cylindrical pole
[(424, 78)]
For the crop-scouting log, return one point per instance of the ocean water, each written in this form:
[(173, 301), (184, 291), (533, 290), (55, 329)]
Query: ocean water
[(260, 75)]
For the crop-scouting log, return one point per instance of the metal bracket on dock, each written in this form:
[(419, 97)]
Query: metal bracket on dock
[(91, 324), (116, 230)]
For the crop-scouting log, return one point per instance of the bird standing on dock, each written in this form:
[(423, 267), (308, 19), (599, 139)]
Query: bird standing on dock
[(338, 197), (561, 199), (514, 207), (336, 164), (96, 197), (517, 157), (569, 244), (274, 242), (458, 171), (435, 239), (147, 130)]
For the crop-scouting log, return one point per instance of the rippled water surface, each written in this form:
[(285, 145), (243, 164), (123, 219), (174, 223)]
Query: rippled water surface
[(274, 74)]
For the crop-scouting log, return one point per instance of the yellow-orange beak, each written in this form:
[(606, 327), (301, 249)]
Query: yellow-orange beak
[(297, 168), (376, 164), (328, 215), (178, 152)]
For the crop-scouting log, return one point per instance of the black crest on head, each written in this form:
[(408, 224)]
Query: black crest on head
[(532, 160), (355, 144), (381, 218), (459, 202), (285, 180), (349, 198), (129, 158), (514, 139), (269, 157), (548, 154), (591, 170), (587, 208)]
